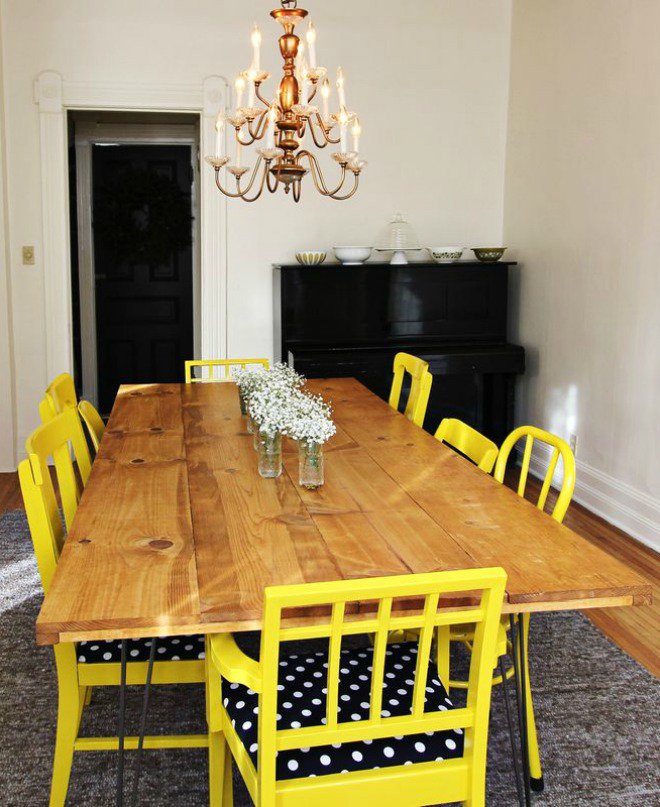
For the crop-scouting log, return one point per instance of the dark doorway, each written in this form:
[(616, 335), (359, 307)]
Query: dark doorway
[(143, 264)]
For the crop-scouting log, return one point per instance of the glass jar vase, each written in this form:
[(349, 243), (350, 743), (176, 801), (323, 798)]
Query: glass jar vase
[(270, 454), (250, 424), (310, 464)]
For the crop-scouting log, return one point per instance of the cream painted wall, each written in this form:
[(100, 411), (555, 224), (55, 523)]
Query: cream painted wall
[(582, 207), (449, 61), (7, 425)]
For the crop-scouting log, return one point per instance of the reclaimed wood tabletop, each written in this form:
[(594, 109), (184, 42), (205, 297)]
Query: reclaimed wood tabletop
[(177, 533)]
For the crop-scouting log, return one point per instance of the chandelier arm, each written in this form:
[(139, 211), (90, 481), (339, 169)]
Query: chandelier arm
[(260, 127), (276, 185), (240, 193), (317, 175), (312, 129), (261, 185), (343, 198), (257, 92), (326, 131), (312, 95)]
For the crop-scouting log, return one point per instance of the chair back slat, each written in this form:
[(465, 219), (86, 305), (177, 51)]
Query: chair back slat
[(378, 663), (334, 658), (216, 370), (552, 465), (61, 395), (524, 468), (423, 654), (560, 449)]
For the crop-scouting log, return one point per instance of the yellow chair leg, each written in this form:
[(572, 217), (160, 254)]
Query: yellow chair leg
[(443, 643), (69, 711), (535, 771), (228, 783), (217, 754), (88, 695)]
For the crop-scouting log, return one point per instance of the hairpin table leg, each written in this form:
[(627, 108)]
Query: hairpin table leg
[(512, 735), (518, 642), (121, 726), (143, 723)]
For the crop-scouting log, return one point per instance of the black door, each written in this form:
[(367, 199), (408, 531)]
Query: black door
[(143, 262)]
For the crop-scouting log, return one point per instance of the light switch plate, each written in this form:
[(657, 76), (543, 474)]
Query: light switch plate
[(28, 256)]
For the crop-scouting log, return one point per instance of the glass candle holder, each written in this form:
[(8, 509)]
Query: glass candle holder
[(310, 464), (270, 455)]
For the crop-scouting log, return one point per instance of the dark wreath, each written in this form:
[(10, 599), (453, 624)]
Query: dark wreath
[(143, 217)]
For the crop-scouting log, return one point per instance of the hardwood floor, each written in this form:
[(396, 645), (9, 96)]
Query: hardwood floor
[(635, 630)]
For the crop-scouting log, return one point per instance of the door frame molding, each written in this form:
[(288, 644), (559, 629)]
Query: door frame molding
[(86, 136), (54, 97)]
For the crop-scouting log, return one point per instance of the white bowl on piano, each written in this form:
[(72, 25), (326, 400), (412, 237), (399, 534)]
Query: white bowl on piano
[(352, 256), (446, 254)]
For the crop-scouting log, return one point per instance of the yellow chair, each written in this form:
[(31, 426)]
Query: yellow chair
[(464, 634), (211, 364), (470, 442), (559, 449), (420, 386), (93, 421), (89, 664), (60, 393), (354, 724)]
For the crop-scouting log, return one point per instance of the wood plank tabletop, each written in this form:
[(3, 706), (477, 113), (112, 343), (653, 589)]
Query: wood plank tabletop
[(176, 531)]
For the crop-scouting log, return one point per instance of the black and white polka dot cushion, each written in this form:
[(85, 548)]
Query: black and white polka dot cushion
[(302, 702), (168, 648)]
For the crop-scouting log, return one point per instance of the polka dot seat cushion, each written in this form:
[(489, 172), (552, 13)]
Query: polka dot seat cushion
[(302, 702), (168, 648)]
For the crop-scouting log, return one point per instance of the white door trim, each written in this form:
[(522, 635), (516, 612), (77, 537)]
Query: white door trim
[(54, 97), (87, 135)]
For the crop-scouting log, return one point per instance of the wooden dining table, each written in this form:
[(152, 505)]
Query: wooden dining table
[(177, 533)]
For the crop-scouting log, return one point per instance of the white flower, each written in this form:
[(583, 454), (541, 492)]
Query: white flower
[(311, 418)]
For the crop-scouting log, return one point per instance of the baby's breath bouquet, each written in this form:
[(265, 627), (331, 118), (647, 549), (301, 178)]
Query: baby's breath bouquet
[(247, 380), (311, 424)]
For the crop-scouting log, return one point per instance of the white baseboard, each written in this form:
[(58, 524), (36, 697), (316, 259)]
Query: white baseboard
[(620, 504)]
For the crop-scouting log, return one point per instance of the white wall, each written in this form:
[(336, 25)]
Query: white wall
[(445, 64), (7, 452), (582, 207)]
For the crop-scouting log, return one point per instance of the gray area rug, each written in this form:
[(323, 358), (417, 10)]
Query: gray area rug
[(597, 713)]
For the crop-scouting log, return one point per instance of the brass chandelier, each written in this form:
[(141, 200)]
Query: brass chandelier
[(282, 124)]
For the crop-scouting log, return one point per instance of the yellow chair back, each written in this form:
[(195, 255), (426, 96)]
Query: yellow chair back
[(54, 440), (560, 448), (60, 393), (43, 516), (93, 421), (482, 451), (420, 386), (210, 365), (426, 783)]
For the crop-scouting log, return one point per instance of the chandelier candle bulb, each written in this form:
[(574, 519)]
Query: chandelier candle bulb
[(252, 74), (325, 94), (341, 88), (239, 85), (256, 47), (272, 119), (311, 43), (219, 128), (356, 131)]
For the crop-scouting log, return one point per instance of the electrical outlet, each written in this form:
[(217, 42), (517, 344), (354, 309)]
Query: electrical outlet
[(28, 256), (573, 443)]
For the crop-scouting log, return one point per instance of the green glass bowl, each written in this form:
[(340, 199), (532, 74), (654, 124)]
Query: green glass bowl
[(489, 254)]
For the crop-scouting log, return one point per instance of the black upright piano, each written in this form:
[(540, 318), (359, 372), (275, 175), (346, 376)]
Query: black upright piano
[(333, 321)]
